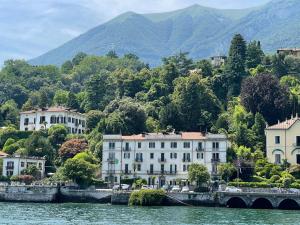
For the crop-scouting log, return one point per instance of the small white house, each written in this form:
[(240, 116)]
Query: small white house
[(14, 165), (47, 117)]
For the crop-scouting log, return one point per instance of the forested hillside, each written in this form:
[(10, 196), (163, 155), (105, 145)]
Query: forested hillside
[(201, 31), (122, 94)]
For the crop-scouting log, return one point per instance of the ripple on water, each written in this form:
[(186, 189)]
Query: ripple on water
[(65, 214)]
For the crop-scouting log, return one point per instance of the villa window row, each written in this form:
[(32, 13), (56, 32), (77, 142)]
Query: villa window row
[(173, 145), (186, 157), (278, 140), (56, 120)]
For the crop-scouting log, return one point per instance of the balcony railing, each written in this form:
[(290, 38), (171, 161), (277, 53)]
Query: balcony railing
[(138, 160), (126, 149), (162, 160), (127, 172), (199, 149), (186, 160), (216, 160), (150, 172), (110, 171), (111, 160)]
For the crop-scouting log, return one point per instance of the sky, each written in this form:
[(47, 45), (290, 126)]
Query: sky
[(29, 28)]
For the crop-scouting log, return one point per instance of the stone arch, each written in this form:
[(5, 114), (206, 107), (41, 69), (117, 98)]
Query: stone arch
[(294, 150), (289, 204), (277, 150), (236, 202), (262, 203)]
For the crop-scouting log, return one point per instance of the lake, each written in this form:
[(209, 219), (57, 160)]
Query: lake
[(71, 213)]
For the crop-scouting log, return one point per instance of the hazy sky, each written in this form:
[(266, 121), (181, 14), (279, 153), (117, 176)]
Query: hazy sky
[(29, 28)]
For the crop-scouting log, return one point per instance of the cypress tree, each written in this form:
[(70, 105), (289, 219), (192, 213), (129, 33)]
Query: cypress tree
[(235, 67)]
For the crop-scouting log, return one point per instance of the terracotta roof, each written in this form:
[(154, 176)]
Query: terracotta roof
[(283, 125), (2, 154), (183, 135), (50, 109)]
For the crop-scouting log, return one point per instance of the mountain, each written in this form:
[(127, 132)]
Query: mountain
[(199, 30)]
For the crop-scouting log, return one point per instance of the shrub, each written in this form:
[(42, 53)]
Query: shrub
[(254, 184), (259, 179), (27, 179), (287, 182), (275, 179), (147, 197), (72, 147), (295, 185)]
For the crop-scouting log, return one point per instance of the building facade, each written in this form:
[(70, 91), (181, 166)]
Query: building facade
[(283, 141), (218, 61), (14, 165), (289, 51), (47, 117), (160, 158)]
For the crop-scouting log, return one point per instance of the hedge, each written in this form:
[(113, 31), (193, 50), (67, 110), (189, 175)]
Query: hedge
[(14, 134), (263, 185), (147, 197)]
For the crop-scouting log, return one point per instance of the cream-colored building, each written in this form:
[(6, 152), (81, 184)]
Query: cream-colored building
[(283, 141)]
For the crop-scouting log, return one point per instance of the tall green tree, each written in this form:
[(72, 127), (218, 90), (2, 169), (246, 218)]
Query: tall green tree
[(254, 55), (235, 66)]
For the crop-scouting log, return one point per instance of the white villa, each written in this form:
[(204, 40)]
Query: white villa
[(46, 117), (161, 158), (14, 165)]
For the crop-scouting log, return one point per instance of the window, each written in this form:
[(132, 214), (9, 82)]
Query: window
[(26, 121), (277, 158), (184, 168), (162, 168), (171, 168), (40, 165), (139, 144), (42, 119), (162, 145), (199, 146), (26, 128), (53, 119), (175, 155), (186, 144), (69, 119), (127, 148), (173, 144), (22, 164), (277, 139), (202, 155), (298, 159), (126, 168), (171, 155), (162, 157), (126, 155), (83, 123), (215, 145), (138, 167), (73, 120), (151, 144), (112, 145), (151, 168), (198, 155), (151, 155), (116, 179), (298, 140), (175, 168)]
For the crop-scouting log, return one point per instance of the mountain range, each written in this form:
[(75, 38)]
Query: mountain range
[(201, 31)]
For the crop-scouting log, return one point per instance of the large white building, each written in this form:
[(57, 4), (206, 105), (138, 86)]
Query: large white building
[(160, 158), (46, 117), (14, 165)]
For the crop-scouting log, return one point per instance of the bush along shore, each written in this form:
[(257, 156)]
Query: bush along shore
[(147, 198)]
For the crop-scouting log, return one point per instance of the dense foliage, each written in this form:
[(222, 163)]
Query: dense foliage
[(124, 95), (147, 197)]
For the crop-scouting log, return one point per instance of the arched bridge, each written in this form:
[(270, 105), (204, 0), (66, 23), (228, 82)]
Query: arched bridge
[(259, 200)]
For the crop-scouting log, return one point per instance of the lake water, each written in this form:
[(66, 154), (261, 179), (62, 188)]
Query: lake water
[(24, 213)]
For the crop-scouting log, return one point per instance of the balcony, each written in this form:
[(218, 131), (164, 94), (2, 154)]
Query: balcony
[(126, 149), (216, 160), (186, 160), (151, 172), (111, 160), (110, 171), (162, 160), (127, 172), (138, 160), (215, 149), (199, 149)]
